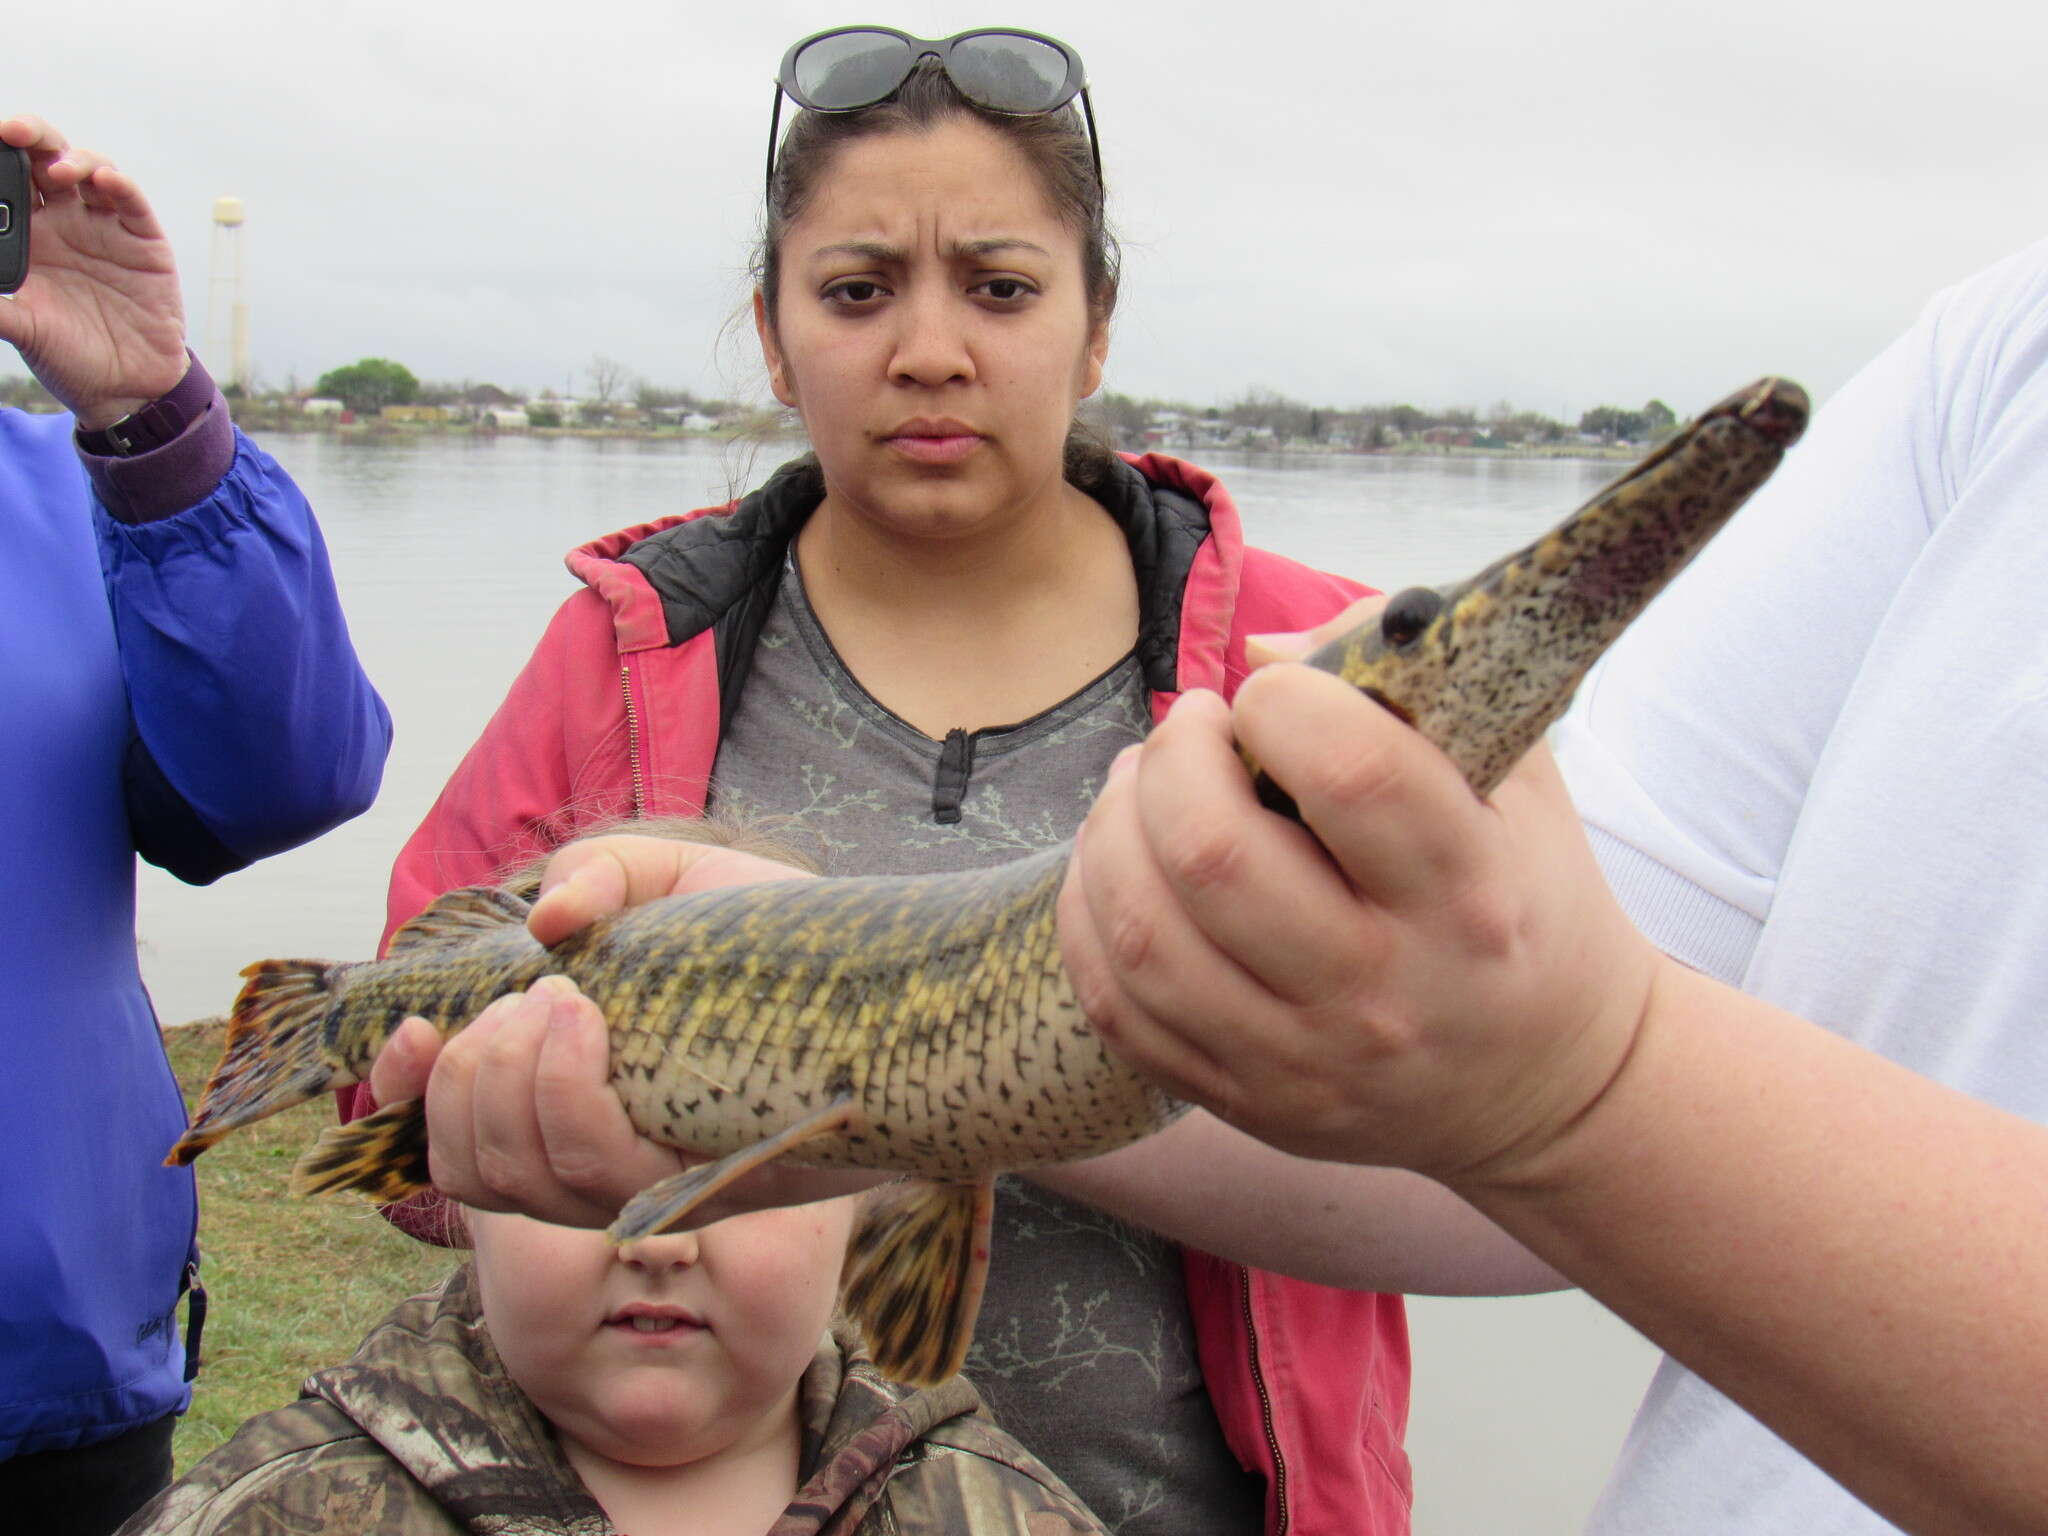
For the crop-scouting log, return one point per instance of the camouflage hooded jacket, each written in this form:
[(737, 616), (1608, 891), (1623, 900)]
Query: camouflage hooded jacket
[(423, 1432)]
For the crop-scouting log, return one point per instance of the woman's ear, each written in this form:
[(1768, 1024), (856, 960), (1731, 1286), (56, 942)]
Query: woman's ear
[(1095, 357), (771, 352)]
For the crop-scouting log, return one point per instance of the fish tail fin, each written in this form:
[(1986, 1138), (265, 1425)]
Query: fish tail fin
[(914, 1275), (382, 1155), (276, 1053)]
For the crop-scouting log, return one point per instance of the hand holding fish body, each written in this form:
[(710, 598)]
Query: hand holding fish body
[(924, 1024)]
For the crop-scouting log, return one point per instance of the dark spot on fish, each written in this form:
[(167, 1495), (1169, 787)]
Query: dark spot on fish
[(1410, 613)]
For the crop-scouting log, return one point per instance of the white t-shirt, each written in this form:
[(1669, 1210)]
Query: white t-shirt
[(1817, 769)]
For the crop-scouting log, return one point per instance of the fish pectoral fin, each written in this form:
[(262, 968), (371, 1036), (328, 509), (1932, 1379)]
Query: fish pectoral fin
[(662, 1206), (383, 1155), (458, 916), (915, 1271)]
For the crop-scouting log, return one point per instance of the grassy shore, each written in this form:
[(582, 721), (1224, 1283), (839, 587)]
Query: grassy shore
[(293, 1284)]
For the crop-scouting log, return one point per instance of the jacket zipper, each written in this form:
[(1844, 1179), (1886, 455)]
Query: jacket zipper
[(1251, 1333), (633, 743)]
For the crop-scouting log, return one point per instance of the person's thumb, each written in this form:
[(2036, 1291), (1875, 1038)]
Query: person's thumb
[(1261, 650)]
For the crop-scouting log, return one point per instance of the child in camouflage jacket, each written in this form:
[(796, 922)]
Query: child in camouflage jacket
[(558, 1385)]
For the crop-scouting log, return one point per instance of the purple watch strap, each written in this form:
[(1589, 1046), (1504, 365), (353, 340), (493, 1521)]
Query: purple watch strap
[(160, 481), (157, 422)]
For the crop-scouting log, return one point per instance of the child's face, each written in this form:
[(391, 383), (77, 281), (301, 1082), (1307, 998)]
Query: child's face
[(671, 1349)]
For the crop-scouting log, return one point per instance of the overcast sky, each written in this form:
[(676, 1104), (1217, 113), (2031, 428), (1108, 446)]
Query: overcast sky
[(1557, 203)]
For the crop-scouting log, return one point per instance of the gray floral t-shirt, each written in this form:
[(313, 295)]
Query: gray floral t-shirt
[(1085, 1350)]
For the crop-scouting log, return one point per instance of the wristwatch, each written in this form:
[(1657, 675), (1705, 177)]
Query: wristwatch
[(157, 422)]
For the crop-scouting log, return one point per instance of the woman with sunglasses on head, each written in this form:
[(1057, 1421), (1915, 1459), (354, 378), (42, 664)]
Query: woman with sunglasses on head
[(929, 639)]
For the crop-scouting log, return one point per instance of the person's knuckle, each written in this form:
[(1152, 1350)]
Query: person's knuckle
[(1205, 858), (1490, 926), (1130, 941), (504, 1051), (581, 1165), (1099, 999), (501, 1169), (1352, 783)]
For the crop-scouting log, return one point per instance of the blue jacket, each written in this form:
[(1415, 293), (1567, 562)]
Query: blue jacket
[(178, 682)]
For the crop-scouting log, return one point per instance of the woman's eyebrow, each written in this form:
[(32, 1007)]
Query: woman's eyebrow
[(882, 254)]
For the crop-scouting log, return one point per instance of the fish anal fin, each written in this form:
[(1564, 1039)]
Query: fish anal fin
[(915, 1271), (458, 916), (383, 1155), (662, 1206)]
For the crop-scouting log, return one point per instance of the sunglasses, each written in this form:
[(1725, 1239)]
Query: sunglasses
[(1000, 69)]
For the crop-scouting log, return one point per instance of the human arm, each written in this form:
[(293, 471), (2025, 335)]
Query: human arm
[(1362, 1228), (1450, 988), (255, 728)]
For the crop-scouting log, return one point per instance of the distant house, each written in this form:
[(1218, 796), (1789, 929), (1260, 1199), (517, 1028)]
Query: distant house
[(504, 418), (320, 405)]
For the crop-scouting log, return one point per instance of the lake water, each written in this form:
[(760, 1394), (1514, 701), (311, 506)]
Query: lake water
[(449, 554)]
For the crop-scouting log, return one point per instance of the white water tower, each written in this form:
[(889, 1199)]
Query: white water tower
[(227, 309)]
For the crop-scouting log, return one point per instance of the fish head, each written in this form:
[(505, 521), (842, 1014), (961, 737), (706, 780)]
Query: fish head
[(1483, 668)]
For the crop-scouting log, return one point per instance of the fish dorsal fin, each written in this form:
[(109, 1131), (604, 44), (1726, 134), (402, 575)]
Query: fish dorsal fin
[(460, 916)]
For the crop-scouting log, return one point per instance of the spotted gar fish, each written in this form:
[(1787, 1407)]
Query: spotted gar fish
[(924, 1024)]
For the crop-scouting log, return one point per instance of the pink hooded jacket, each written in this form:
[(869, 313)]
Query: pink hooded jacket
[(619, 713)]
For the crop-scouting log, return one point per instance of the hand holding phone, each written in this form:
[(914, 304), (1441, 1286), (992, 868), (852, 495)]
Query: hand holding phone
[(102, 326), (17, 193)]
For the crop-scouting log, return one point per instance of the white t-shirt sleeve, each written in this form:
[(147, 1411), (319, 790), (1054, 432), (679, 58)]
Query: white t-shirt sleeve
[(1692, 746)]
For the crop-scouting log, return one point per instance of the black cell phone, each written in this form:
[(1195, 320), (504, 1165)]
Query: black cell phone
[(16, 193)]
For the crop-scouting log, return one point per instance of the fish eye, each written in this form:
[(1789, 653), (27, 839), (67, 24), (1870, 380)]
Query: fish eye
[(1408, 614)]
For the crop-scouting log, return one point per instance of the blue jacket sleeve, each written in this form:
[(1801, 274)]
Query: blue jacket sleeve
[(256, 729)]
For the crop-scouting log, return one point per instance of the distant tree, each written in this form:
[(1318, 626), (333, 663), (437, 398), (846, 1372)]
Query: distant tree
[(609, 379), (1659, 421), (1266, 410), (653, 397), (1119, 418), (370, 385), (540, 415), (1527, 427), (1405, 419), (1611, 423)]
